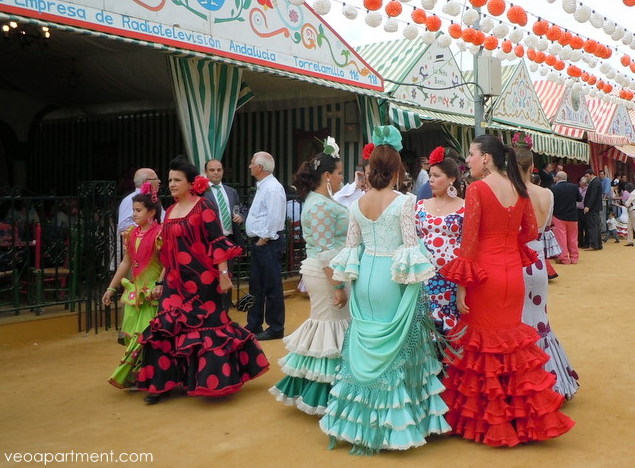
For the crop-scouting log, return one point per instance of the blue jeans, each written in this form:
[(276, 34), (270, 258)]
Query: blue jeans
[(265, 284)]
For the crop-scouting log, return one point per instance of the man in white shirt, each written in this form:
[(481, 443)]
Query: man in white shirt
[(265, 229), (227, 204), (125, 207)]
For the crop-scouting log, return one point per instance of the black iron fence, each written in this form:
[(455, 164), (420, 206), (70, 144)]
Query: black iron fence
[(60, 252)]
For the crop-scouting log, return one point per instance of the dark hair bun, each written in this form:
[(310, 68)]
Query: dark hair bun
[(385, 162)]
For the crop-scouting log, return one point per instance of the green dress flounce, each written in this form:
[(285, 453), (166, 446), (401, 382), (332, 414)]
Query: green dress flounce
[(139, 309), (314, 348), (386, 394)]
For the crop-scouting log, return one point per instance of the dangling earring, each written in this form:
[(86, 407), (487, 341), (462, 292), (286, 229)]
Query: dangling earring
[(329, 189), (452, 191)]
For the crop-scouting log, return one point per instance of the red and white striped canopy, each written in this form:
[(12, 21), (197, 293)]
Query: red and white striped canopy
[(550, 95), (603, 113)]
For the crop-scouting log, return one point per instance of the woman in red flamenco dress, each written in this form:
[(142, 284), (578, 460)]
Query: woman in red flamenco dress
[(192, 342), (497, 389)]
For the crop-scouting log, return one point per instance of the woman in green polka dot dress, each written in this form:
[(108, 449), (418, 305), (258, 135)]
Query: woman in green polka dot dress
[(314, 348)]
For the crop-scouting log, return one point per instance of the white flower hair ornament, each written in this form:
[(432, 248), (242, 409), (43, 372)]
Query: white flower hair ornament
[(331, 148)]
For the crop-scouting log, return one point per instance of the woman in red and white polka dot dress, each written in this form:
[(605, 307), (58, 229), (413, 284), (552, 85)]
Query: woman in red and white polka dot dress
[(439, 222), (192, 342)]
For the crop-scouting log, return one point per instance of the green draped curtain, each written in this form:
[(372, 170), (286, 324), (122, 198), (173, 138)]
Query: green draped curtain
[(369, 115), (207, 96)]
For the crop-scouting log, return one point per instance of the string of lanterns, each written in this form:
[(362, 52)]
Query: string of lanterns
[(552, 49)]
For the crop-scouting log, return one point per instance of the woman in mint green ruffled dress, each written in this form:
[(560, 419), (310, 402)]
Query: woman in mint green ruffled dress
[(141, 292), (314, 348), (386, 392)]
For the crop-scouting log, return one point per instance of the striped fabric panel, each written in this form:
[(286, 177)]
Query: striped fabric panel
[(602, 113), (207, 94), (550, 95), (404, 119), (369, 116), (570, 132)]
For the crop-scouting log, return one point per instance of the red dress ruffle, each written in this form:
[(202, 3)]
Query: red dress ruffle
[(464, 272), (498, 392)]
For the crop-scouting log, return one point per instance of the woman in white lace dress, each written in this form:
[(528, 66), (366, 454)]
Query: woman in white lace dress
[(536, 284), (386, 392)]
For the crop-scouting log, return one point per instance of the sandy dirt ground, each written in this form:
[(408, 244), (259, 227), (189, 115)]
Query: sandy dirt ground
[(54, 398)]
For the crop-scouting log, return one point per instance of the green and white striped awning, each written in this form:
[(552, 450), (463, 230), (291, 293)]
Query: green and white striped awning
[(406, 117), (193, 54), (552, 145)]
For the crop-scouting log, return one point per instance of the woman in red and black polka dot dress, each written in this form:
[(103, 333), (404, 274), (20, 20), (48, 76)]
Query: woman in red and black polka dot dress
[(439, 222), (192, 342)]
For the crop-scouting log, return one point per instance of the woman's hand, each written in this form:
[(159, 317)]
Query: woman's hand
[(460, 300), (225, 283), (106, 299), (340, 299), (157, 291)]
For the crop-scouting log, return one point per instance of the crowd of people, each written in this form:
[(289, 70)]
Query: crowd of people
[(428, 312)]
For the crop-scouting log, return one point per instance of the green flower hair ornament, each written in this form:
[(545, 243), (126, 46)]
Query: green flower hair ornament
[(387, 135)]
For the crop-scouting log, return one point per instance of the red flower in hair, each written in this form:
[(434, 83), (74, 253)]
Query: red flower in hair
[(437, 155), (200, 185), (367, 150)]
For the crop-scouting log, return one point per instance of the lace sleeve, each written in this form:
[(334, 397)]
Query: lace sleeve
[(463, 270), (528, 232), (345, 265), (410, 262), (326, 224), (408, 229)]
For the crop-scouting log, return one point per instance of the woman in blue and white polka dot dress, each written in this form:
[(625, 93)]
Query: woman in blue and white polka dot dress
[(439, 222)]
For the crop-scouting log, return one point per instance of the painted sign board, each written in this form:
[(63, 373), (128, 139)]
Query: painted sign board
[(441, 83), (573, 111), (272, 33), (518, 104), (622, 124)]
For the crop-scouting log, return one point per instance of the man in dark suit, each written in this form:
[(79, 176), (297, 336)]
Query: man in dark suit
[(227, 205), (592, 208), (565, 217)]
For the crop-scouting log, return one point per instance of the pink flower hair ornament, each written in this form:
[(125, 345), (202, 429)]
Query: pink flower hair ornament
[(437, 155), (521, 139), (148, 189), (200, 184)]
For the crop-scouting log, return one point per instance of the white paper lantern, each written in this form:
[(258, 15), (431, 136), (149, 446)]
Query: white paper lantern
[(428, 4), (592, 63), (531, 41), (555, 48), (565, 53), (451, 8), (373, 19), (410, 32), (322, 7), (628, 38), (575, 56), (569, 6), (618, 33), (486, 24), (568, 82), (542, 44), (349, 11), (470, 16), (610, 74), (474, 50), (500, 54), (593, 93), (391, 25), (444, 40), (632, 45), (502, 30), (552, 76), (597, 20), (609, 27), (582, 14), (516, 35), (533, 67), (551, 1), (428, 37), (296, 2), (605, 67), (461, 45), (543, 71), (560, 80)]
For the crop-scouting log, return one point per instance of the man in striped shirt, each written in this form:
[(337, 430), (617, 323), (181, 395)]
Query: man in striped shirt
[(265, 229)]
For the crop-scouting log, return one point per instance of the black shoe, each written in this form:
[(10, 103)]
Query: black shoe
[(268, 335), (152, 398), (630, 244), (617, 241), (121, 340)]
